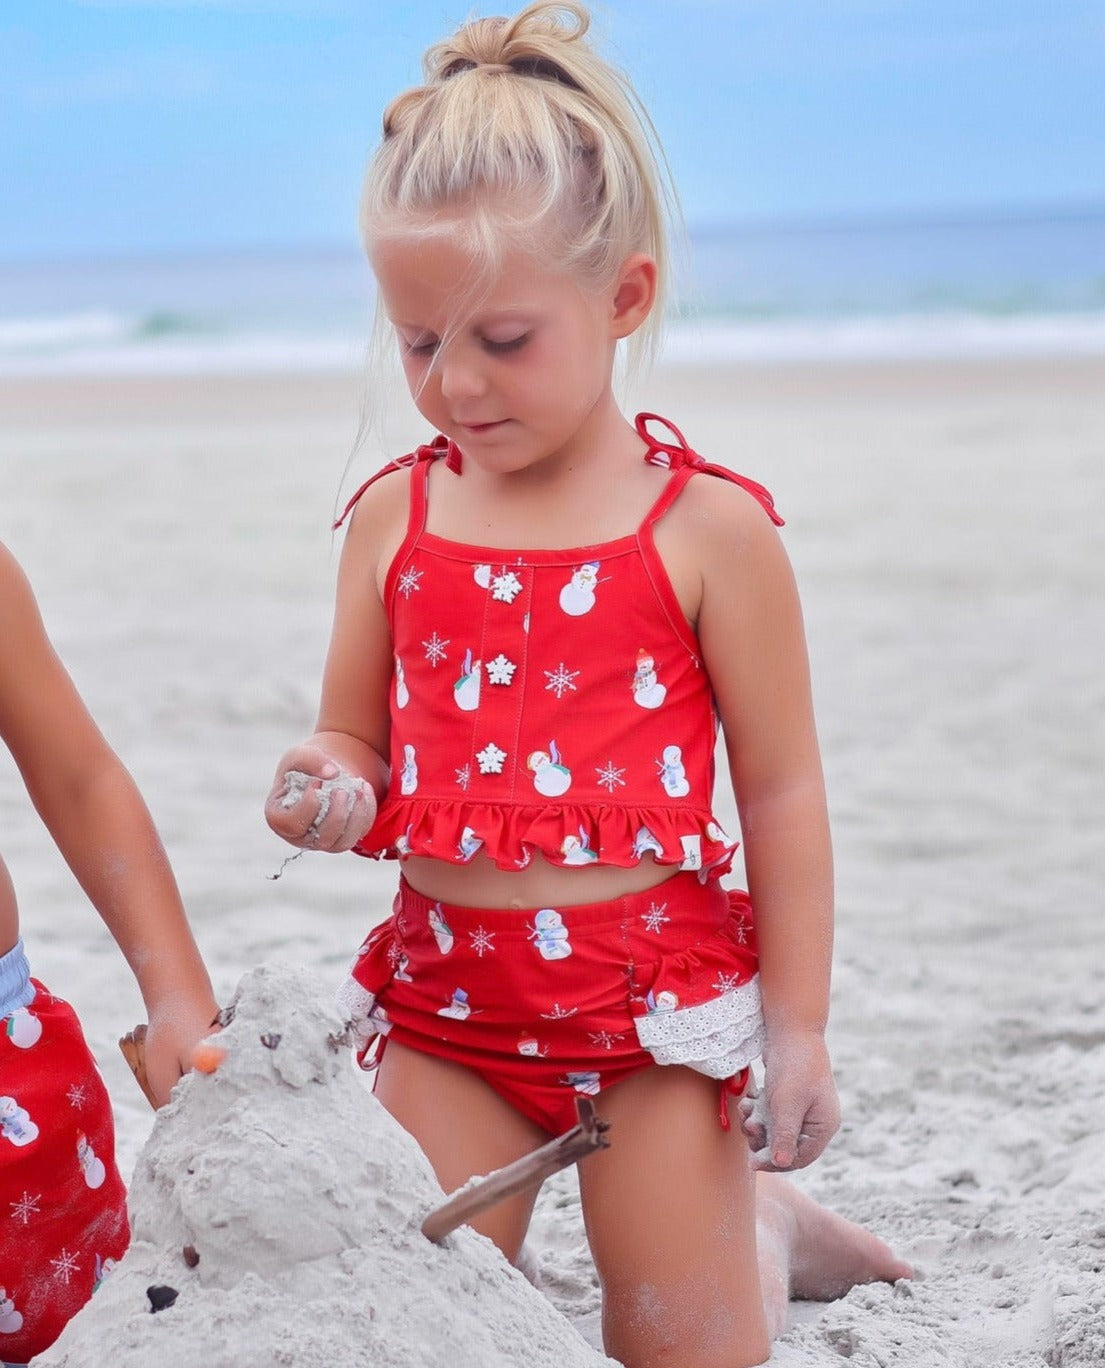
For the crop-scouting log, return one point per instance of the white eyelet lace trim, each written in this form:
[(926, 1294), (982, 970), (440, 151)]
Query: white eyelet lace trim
[(358, 1006), (717, 1038)]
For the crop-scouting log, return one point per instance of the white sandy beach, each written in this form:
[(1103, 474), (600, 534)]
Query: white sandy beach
[(944, 521)]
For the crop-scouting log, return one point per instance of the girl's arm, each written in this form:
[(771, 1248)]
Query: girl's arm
[(750, 628), (326, 790), (102, 827)]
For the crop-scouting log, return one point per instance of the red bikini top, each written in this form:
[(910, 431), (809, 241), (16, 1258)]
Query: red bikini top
[(548, 701)]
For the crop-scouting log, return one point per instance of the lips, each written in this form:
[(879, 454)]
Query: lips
[(482, 427)]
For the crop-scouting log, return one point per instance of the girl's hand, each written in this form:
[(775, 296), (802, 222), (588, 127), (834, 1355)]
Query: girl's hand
[(316, 805), (797, 1114), (172, 1034)]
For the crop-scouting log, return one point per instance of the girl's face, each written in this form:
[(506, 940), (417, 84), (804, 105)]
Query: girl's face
[(515, 378)]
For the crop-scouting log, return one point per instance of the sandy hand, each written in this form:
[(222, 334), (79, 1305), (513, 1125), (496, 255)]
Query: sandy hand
[(797, 1114), (318, 806)]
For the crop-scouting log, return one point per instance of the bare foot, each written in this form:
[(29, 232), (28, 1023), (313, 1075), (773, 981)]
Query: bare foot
[(826, 1255)]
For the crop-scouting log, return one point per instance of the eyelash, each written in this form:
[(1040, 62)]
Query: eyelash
[(423, 349)]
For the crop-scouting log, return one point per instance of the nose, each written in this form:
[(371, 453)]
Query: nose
[(461, 374)]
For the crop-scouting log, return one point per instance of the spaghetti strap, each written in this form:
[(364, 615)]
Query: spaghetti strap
[(413, 460), (678, 456)]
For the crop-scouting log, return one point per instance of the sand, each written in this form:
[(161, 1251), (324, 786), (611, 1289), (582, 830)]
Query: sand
[(944, 521), (281, 1204)]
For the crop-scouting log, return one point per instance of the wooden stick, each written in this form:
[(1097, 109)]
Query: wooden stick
[(133, 1046), (529, 1171)]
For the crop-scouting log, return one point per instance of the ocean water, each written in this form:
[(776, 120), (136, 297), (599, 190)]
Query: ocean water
[(1027, 284)]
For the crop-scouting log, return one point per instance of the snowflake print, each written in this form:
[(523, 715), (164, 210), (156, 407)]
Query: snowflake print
[(481, 941), (726, 983), (559, 1013), (500, 670), (506, 587), (561, 680), (435, 649), (491, 759), (464, 776), (604, 1040), (25, 1208), (610, 777), (66, 1265), (653, 917), (77, 1095), (408, 581)]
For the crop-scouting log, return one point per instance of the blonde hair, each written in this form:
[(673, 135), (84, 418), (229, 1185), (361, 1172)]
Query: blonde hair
[(524, 137)]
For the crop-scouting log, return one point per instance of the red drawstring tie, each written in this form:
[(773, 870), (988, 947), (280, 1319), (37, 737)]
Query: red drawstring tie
[(731, 1087), (672, 456)]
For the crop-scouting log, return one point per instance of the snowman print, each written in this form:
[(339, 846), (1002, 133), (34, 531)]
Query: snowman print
[(402, 693), (664, 1001), (587, 1083), (578, 595), (550, 934), (531, 1048), (645, 842), (466, 691), (91, 1165), (23, 1028), (468, 844), (16, 1125), (482, 575), (457, 1008), (648, 692), (672, 774), (408, 775), (576, 851), (102, 1268), (11, 1320), (440, 927), (550, 777)]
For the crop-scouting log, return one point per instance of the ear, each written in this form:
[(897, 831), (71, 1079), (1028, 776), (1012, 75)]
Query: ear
[(633, 295)]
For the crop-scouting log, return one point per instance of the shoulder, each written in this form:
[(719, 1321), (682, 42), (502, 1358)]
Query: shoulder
[(376, 517), (724, 519), (381, 497)]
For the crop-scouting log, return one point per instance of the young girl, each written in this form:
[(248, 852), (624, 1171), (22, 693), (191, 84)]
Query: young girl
[(541, 617), (63, 1216)]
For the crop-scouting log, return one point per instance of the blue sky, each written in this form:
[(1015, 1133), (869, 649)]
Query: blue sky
[(155, 125)]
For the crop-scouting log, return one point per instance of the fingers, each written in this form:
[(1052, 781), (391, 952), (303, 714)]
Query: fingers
[(753, 1113), (317, 806), (796, 1133)]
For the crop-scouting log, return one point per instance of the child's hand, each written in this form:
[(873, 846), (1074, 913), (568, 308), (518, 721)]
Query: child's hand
[(791, 1122), (171, 1036), (316, 805)]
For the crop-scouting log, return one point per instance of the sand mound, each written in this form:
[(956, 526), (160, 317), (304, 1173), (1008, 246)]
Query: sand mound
[(302, 1199)]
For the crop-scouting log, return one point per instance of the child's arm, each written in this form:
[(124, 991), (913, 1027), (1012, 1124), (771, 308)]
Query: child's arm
[(102, 827), (750, 627), (326, 790)]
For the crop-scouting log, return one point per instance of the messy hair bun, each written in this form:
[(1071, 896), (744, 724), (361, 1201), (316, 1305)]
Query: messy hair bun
[(523, 135)]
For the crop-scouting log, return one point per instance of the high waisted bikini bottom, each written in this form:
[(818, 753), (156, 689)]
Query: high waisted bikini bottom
[(552, 1002)]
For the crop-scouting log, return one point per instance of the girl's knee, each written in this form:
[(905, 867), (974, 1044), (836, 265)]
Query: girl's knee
[(647, 1328)]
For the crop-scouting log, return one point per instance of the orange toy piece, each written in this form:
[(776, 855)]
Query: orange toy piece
[(207, 1058)]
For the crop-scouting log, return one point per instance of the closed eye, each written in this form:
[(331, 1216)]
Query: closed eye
[(513, 344), (423, 347)]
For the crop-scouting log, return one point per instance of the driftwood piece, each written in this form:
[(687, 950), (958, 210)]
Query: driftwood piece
[(529, 1171), (133, 1046)]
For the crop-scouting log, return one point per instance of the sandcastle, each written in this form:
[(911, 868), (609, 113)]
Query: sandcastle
[(282, 1205)]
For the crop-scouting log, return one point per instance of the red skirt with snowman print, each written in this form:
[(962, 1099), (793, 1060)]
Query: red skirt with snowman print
[(63, 1214), (551, 1003)]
